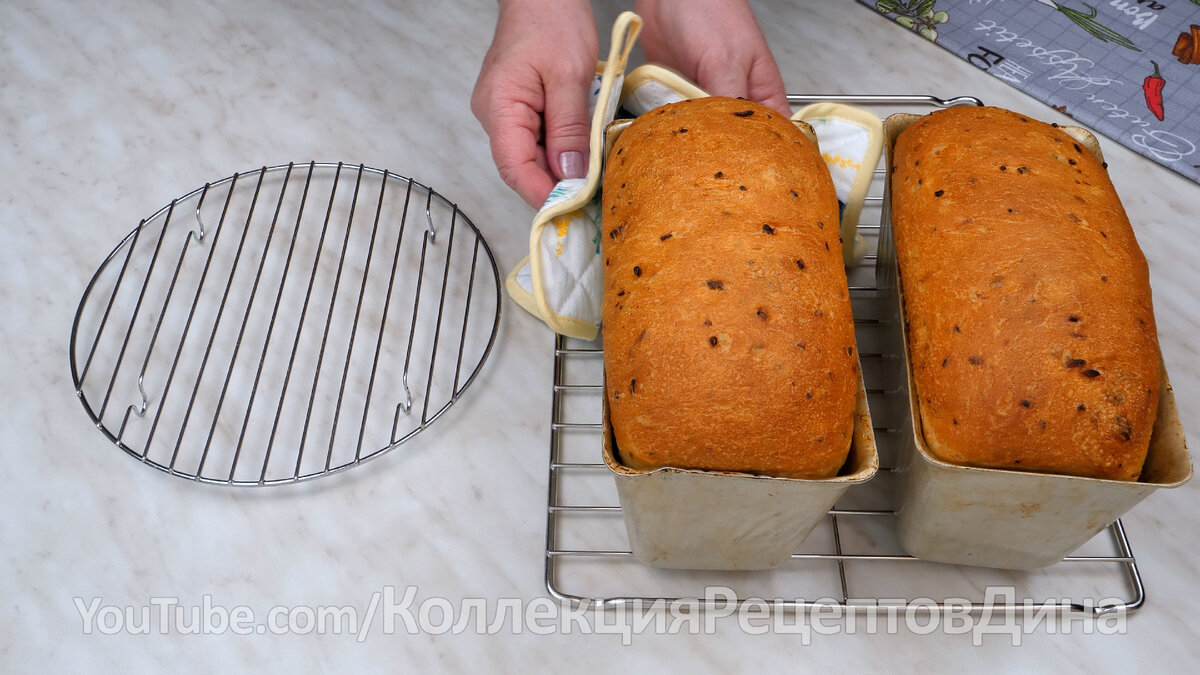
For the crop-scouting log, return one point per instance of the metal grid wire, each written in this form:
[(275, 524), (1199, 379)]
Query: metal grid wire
[(852, 559), (285, 323)]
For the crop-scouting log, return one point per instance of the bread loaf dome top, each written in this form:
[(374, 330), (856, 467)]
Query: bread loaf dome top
[(1030, 328), (728, 335)]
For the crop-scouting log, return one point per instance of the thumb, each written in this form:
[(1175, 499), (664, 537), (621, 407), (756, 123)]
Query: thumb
[(568, 128), (723, 80), (766, 85)]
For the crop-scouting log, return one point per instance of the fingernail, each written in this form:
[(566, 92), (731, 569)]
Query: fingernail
[(571, 164)]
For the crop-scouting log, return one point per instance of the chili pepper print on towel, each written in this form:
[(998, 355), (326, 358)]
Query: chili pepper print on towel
[(1152, 87), (1126, 69)]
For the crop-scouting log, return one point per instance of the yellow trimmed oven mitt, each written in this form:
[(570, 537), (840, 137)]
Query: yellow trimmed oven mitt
[(561, 281), (850, 140)]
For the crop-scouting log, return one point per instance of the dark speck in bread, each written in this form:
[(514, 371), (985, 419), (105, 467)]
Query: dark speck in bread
[(1124, 427)]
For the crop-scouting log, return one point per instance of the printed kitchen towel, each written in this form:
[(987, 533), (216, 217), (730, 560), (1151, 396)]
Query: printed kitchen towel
[(1129, 69)]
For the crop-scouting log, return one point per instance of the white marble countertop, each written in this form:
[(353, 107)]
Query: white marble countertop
[(111, 108)]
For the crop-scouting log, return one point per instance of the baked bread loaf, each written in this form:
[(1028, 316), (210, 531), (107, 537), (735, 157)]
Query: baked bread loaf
[(1030, 330), (728, 337)]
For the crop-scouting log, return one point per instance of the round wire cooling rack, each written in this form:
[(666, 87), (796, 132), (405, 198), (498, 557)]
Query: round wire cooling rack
[(285, 323)]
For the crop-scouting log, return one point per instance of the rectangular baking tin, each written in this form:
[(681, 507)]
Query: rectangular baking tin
[(996, 517), (726, 520)]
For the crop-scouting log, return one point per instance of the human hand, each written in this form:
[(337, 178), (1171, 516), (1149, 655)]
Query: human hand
[(715, 43), (532, 93)]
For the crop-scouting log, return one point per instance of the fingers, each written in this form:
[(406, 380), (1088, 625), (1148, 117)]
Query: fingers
[(759, 81), (506, 103), (512, 113), (725, 79), (532, 92), (717, 43), (568, 126), (765, 85), (519, 159), (513, 118)]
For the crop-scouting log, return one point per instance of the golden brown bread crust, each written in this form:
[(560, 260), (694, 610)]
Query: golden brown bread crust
[(1027, 300), (728, 338)]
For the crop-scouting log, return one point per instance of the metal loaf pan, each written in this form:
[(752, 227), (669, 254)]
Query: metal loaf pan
[(995, 517), (726, 520)]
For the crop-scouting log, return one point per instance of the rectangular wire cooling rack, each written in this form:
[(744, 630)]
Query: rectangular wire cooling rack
[(853, 558)]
